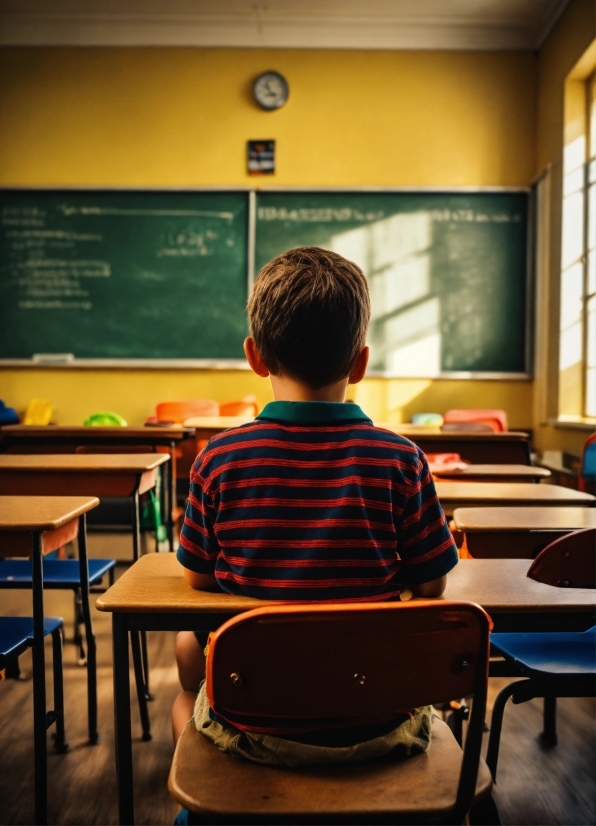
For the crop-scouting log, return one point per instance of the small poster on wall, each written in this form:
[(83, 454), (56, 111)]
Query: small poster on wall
[(261, 157)]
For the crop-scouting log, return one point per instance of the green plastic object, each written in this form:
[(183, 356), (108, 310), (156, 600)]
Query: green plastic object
[(427, 419), (104, 419)]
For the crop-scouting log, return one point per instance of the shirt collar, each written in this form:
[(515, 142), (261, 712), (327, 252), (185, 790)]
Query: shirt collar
[(313, 413)]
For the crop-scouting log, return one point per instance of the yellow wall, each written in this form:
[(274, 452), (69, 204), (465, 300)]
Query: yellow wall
[(181, 117), (568, 41)]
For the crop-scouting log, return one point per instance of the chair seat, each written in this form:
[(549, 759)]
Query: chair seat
[(555, 654), (422, 787), (16, 634), (57, 573)]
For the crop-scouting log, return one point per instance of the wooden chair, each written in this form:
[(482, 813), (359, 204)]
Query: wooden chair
[(244, 407), (587, 471), (567, 562), (294, 661)]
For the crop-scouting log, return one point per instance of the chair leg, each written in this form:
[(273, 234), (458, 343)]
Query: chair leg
[(60, 743), (485, 813), (140, 684), (494, 738), (549, 731), (13, 670)]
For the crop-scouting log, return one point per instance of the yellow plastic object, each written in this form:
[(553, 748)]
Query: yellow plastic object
[(105, 419), (39, 412)]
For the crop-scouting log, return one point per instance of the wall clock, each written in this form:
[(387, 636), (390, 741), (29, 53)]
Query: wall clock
[(271, 90)]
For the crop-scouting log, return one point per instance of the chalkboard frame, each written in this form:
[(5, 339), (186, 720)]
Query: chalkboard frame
[(65, 361)]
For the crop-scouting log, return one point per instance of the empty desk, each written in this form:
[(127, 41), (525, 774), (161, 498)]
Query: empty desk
[(69, 474), (65, 439), (518, 532), (31, 526), (512, 447), (463, 494), (492, 473)]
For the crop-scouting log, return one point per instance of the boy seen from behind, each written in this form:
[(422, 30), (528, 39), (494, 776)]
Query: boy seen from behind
[(310, 502)]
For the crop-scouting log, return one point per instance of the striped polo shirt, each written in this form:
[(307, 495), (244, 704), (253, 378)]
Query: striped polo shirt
[(312, 502)]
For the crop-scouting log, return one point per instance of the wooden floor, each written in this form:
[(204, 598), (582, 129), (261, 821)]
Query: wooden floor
[(536, 785)]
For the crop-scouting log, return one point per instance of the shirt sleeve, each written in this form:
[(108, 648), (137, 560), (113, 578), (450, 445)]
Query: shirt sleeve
[(425, 547), (198, 547)]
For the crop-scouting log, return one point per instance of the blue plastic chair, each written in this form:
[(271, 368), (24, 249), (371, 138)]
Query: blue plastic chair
[(16, 636), (557, 664), (65, 574)]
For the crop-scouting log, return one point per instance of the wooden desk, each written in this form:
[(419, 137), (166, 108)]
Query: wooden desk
[(153, 595), (508, 533), (99, 474), (509, 448), (492, 473), (32, 526), (463, 494), (65, 439), (207, 426)]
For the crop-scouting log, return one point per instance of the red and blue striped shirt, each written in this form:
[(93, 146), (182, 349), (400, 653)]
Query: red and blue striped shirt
[(311, 502)]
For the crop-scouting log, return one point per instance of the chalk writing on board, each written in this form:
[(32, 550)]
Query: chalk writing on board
[(189, 242), (157, 213), (350, 215)]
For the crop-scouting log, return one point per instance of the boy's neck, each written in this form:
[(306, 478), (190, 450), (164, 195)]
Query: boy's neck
[(286, 389)]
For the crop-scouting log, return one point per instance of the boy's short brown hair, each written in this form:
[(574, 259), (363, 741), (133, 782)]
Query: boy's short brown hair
[(309, 311)]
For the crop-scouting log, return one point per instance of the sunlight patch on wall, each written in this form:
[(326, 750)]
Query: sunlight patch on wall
[(405, 334)]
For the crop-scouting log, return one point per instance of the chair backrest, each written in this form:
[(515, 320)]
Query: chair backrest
[(353, 660), (178, 411), (243, 407), (495, 419), (587, 473), (567, 562)]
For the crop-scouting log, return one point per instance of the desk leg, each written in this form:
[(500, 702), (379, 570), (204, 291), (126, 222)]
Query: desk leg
[(89, 635), (39, 687), (122, 719), (136, 527), (171, 493)]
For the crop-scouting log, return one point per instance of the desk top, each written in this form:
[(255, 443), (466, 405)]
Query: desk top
[(523, 519), (496, 471), (155, 584), (42, 513), (83, 462), (411, 431), (216, 422), (151, 435), (512, 493)]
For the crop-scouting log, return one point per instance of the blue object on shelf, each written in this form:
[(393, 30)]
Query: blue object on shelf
[(8, 415)]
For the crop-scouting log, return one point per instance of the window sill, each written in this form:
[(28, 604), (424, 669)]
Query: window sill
[(574, 424)]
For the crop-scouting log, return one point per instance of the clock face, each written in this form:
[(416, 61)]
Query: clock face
[(271, 90)]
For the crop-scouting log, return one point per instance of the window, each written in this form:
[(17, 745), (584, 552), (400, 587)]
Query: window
[(577, 355), (589, 297)]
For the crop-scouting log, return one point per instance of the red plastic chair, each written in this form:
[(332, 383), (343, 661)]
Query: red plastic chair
[(244, 407), (177, 412), (496, 420), (294, 661)]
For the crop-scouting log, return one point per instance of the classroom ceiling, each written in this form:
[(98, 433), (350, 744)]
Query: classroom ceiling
[(325, 24)]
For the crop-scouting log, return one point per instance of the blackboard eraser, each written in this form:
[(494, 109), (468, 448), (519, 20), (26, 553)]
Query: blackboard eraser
[(52, 358)]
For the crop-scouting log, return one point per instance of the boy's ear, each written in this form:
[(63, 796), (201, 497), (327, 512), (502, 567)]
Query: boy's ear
[(360, 365), (253, 357)]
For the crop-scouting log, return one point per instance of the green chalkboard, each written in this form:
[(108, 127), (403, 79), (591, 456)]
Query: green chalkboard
[(123, 274), (447, 271)]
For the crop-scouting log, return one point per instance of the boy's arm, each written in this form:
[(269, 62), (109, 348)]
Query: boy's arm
[(202, 582), (198, 549), (426, 547), (434, 588)]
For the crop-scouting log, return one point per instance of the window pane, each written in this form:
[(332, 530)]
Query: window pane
[(592, 217), (573, 229), (592, 272)]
